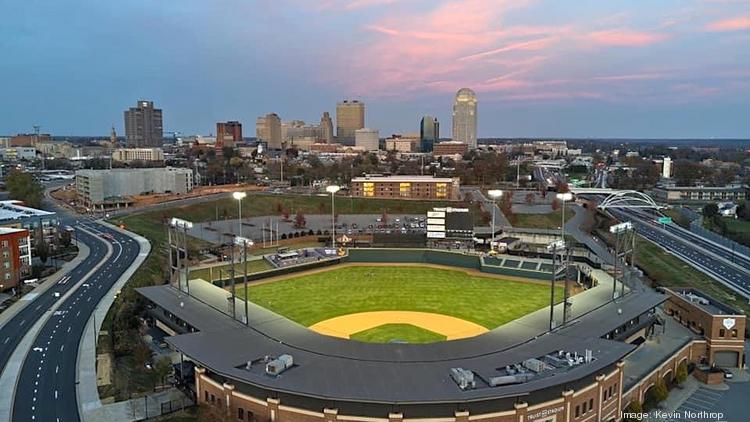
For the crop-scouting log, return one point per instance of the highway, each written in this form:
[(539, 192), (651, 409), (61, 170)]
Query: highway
[(46, 389), (716, 261)]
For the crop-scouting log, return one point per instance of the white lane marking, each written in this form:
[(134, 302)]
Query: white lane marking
[(62, 347), (7, 339)]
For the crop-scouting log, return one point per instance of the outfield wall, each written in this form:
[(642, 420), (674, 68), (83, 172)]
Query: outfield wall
[(438, 257)]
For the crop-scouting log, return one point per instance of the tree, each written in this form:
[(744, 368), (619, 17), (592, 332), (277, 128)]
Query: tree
[(64, 238), (41, 250), (529, 198), (682, 373), (657, 393), (710, 210), (162, 368), (299, 220), (555, 205), (634, 408), (22, 187)]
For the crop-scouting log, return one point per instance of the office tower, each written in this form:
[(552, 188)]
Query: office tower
[(268, 130), (143, 126), (326, 128), (228, 134), (367, 139), (465, 117), (429, 133), (666, 169), (350, 116)]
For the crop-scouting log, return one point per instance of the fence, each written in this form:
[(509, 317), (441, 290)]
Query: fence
[(697, 228)]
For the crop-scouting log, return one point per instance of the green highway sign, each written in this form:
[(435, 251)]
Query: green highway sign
[(664, 220)]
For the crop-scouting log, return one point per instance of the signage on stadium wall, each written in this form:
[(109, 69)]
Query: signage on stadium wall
[(436, 235), (435, 214), (438, 221), (435, 228)]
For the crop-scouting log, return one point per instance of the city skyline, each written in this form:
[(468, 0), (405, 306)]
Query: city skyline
[(673, 70)]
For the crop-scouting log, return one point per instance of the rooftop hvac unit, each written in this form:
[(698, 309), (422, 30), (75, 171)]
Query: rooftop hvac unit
[(697, 299), (510, 379), (464, 378), (535, 365), (279, 365)]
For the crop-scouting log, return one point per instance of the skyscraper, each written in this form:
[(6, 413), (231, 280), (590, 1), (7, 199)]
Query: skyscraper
[(465, 117), (268, 130), (143, 126), (429, 133), (350, 116), (367, 139), (326, 128), (228, 134)]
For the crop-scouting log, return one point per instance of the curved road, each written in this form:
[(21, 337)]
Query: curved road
[(46, 389)]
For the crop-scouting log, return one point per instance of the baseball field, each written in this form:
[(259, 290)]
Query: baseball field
[(396, 303)]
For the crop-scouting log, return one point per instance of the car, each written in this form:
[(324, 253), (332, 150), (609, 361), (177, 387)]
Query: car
[(56, 294), (727, 373)]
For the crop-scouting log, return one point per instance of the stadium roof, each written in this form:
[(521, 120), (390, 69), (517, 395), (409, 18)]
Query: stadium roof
[(333, 368)]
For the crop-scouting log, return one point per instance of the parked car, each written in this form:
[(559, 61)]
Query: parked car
[(727, 373)]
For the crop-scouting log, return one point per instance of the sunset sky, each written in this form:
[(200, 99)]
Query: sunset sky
[(593, 68)]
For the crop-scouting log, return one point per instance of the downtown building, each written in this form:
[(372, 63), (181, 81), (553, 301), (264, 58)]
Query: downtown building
[(326, 128), (406, 187), (15, 256), (115, 188), (465, 117), (268, 130), (429, 133), (228, 134), (127, 155), (367, 139), (350, 116), (144, 126)]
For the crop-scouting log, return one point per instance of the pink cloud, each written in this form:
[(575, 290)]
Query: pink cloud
[(630, 77), (732, 24), (625, 38), (532, 45)]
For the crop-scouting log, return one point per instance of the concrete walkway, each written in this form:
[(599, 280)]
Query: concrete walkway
[(47, 282), (87, 391)]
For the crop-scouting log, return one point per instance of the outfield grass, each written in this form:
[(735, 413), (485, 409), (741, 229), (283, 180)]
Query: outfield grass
[(388, 333), (489, 302)]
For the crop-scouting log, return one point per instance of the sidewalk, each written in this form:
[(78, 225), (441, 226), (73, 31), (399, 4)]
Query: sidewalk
[(28, 298), (138, 409), (87, 392)]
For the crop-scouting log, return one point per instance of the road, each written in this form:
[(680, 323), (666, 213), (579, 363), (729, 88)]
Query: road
[(706, 256), (46, 390), (16, 328)]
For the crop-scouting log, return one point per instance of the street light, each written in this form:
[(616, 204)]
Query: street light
[(557, 245), (332, 189), (494, 194), (239, 196), (564, 197)]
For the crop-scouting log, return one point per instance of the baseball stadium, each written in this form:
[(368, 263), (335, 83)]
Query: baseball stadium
[(384, 334)]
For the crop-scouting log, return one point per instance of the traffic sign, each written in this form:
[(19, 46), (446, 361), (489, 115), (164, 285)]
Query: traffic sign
[(664, 220)]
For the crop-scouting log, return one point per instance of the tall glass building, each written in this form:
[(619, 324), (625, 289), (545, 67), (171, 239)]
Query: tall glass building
[(429, 133), (465, 117)]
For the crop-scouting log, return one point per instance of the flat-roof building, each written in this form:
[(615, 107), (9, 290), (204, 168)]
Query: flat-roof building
[(128, 155), (406, 187), (15, 256), (450, 148), (112, 188), (144, 126), (14, 214), (699, 194)]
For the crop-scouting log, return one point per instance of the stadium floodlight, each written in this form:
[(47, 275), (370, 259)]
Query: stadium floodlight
[(243, 241), (620, 228), (239, 196), (564, 197), (332, 189), (180, 223), (494, 194)]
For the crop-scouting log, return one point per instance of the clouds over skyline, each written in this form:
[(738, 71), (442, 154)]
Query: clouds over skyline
[(228, 59)]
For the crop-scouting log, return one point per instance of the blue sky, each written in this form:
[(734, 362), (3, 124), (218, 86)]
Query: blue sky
[(615, 68)]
